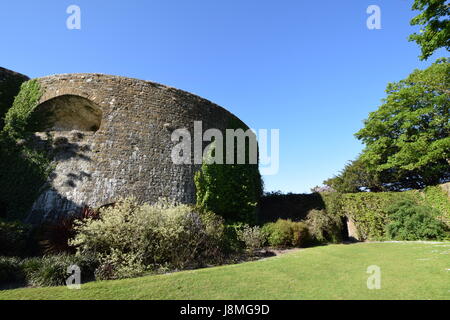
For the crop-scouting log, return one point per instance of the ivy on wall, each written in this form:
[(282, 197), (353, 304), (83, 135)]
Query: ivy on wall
[(368, 210), (19, 120), (230, 190), (437, 198), (9, 88), (24, 170)]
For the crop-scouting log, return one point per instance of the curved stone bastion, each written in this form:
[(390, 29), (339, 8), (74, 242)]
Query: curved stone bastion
[(111, 138)]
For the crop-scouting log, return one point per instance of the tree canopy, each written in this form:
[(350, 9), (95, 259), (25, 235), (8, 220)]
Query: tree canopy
[(408, 138), (435, 32), (355, 177)]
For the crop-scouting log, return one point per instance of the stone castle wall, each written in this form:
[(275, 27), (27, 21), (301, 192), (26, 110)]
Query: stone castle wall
[(112, 137)]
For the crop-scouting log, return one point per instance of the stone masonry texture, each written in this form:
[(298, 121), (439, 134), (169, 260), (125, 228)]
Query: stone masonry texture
[(113, 139)]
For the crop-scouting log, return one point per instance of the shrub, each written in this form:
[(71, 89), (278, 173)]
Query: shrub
[(253, 237), (230, 190), (266, 229), (11, 270), (129, 239), (13, 238), (324, 227), (286, 233), (55, 237), (300, 234), (231, 242), (280, 233), (410, 221), (119, 265), (52, 270), (44, 271)]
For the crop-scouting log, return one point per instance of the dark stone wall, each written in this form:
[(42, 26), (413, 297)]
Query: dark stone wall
[(130, 154), (10, 82)]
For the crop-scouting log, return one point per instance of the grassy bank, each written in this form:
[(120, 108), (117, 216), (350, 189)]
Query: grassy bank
[(410, 270)]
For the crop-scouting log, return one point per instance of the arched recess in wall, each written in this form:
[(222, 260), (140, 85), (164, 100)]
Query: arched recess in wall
[(67, 113)]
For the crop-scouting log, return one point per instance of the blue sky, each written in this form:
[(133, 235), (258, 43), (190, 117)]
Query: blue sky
[(311, 69)]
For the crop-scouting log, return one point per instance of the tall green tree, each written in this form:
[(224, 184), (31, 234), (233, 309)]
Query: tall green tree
[(435, 24), (408, 138), (356, 177)]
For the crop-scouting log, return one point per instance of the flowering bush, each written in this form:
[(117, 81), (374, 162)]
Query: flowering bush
[(253, 237), (129, 239)]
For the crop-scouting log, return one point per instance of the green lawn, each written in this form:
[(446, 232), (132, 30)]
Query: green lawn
[(408, 271)]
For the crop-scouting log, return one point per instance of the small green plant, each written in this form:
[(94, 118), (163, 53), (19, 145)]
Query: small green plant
[(253, 237), (231, 243), (324, 227), (300, 234), (286, 233), (410, 221)]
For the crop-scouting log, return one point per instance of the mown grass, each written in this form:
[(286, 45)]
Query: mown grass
[(410, 270)]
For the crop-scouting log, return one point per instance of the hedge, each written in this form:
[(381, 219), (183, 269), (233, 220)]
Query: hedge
[(367, 210)]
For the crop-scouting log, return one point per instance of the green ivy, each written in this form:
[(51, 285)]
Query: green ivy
[(19, 120), (412, 221), (437, 198), (24, 169), (369, 210), (9, 88), (230, 190)]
